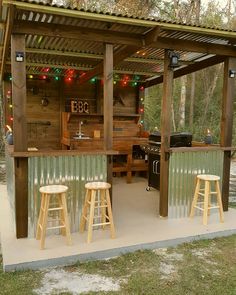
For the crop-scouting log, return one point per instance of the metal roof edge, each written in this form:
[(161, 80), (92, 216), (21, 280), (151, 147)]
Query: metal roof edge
[(45, 8)]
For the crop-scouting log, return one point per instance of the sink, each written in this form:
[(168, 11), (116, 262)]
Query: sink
[(81, 137)]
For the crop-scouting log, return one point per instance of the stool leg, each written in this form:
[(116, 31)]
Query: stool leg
[(91, 216), (44, 221), (61, 215), (206, 202), (110, 214), (84, 211), (219, 201), (195, 198), (65, 213), (39, 229), (103, 204)]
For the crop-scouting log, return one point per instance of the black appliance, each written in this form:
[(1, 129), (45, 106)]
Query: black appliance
[(153, 149)]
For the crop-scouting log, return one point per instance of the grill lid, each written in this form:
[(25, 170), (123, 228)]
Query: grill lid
[(177, 139)]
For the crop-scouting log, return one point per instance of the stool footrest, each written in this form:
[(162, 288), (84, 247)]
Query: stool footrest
[(54, 209), (201, 194), (55, 227), (102, 206), (102, 223)]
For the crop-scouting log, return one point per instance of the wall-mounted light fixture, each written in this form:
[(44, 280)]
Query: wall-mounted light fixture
[(232, 73), (174, 59)]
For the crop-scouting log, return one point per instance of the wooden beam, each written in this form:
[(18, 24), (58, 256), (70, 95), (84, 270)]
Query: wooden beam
[(19, 93), (21, 197), (108, 97), (106, 36), (118, 57), (98, 56), (165, 135), (194, 46), (152, 36), (227, 125), (189, 69), (7, 38), (124, 53), (119, 19), (78, 33)]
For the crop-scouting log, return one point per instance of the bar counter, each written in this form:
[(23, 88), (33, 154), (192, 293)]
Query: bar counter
[(45, 167)]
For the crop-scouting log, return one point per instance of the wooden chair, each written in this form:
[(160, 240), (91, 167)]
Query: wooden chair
[(97, 198), (206, 205), (47, 192)]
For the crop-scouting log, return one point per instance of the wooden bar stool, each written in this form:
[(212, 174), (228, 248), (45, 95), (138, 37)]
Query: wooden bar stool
[(60, 192), (208, 181), (97, 197)]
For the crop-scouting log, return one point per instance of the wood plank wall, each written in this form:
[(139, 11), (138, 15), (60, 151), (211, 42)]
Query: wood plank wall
[(44, 122)]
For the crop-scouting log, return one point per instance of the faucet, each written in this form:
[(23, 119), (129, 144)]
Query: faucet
[(80, 134)]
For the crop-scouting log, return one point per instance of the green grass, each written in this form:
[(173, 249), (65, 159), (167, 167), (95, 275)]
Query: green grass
[(18, 283), (232, 205), (212, 271), (206, 267)]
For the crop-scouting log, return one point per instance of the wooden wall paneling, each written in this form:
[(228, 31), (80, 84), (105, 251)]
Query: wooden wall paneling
[(99, 97), (43, 121), (21, 197), (165, 135), (124, 99), (227, 125), (19, 93)]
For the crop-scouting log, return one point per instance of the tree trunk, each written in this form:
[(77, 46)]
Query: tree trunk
[(210, 93), (192, 95), (182, 102), (173, 116)]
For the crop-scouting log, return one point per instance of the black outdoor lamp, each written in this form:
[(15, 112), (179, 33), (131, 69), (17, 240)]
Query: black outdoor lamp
[(174, 59), (232, 73)]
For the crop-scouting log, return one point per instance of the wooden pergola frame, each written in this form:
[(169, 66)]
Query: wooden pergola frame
[(15, 31)]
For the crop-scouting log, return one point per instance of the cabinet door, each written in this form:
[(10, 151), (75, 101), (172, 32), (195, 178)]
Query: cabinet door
[(154, 170)]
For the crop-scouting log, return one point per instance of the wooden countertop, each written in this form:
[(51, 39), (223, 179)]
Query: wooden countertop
[(45, 153)]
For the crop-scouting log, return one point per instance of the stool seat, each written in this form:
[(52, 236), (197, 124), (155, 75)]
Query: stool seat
[(97, 200), (208, 177), (48, 191), (53, 189), (210, 187), (97, 185)]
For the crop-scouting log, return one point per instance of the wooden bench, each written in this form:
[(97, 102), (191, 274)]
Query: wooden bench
[(129, 165)]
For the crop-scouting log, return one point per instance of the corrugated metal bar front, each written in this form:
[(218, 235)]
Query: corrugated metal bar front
[(72, 171), (183, 168)]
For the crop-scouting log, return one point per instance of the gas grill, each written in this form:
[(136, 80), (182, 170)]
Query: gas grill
[(153, 149)]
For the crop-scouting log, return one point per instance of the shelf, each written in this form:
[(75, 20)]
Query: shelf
[(69, 114)]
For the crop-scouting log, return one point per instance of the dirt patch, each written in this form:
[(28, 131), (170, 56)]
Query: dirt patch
[(58, 280)]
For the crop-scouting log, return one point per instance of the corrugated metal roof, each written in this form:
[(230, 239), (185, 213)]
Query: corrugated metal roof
[(58, 53), (72, 5)]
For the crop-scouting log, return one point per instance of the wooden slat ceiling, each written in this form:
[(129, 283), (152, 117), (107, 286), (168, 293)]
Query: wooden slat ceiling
[(59, 54)]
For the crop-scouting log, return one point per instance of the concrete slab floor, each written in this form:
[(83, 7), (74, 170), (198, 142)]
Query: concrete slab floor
[(137, 227)]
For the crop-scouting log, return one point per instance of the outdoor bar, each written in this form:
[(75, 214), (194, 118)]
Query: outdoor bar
[(74, 117)]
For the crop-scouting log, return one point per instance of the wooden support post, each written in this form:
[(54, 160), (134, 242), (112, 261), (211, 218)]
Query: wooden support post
[(165, 135), (227, 125), (108, 107), (20, 133), (21, 197), (19, 92), (108, 97)]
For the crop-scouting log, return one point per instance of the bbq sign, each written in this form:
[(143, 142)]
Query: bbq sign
[(79, 106)]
